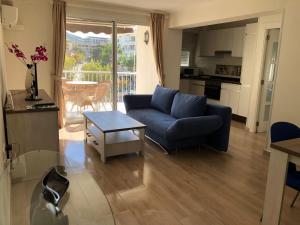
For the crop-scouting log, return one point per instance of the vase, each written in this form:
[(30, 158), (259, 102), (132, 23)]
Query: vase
[(28, 79), (31, 83)]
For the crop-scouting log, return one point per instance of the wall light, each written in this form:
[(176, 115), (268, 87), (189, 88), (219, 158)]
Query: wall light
[(146, 37)]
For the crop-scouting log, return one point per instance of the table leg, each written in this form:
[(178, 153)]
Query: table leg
[(102, 147), (142, 138), (275, 187)]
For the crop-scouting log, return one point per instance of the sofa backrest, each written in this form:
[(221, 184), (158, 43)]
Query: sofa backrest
[(162, 99), (186, 105)]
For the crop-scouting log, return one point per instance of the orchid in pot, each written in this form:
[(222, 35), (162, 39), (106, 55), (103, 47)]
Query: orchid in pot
[(31, 83)]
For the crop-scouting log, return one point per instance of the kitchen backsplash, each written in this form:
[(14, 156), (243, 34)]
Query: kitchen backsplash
[(208, 64)]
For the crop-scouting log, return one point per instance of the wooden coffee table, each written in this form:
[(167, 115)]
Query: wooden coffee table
[(113, 133)]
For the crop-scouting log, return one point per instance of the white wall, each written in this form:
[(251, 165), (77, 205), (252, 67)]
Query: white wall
[(264, 23), (286, 104), (4, 172), (146, 75), (2, 96), (36, 16), (217, 11), (172, 56)]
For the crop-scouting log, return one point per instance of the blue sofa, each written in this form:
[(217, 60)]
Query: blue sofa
[(176, 120)]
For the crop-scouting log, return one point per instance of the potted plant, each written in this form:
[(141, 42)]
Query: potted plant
[(31, 81)]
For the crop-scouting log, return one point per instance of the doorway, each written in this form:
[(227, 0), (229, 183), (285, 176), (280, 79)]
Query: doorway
[(268, 79)]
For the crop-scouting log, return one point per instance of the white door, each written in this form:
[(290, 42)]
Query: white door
[(267, 82), (248, 70)]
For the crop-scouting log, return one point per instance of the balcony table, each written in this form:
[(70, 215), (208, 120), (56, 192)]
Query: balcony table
[(282, 153), (81, 82), (80, 87)]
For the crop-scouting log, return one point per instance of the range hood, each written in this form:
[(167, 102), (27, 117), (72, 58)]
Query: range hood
[(223, 53)]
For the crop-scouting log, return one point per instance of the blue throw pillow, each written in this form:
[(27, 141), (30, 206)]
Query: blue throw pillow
[(162, 99), (185, 105)]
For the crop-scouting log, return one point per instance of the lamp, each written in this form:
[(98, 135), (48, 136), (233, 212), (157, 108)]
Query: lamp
[(146, 37)]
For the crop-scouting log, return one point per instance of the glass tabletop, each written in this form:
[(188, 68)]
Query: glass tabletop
[(83, 204)]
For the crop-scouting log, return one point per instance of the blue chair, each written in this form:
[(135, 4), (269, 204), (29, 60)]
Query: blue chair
[(281, 131)]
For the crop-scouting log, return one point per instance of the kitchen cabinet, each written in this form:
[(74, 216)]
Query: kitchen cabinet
[(230, 96), (231, 39), (224, 39), (184, 86), (206, 42), (238, 42), (197, 87), (244, 100), (194, 87)]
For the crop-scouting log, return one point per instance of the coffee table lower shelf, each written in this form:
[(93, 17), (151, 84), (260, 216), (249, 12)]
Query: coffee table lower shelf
[(115, 143)]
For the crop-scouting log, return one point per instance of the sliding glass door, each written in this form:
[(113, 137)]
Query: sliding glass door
[(88, 71), (101, 66), (126, 63)]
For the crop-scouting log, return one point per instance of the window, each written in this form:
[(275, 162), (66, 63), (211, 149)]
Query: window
[(185, 58)]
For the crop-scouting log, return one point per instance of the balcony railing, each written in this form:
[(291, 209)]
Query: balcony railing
[(126, 81)]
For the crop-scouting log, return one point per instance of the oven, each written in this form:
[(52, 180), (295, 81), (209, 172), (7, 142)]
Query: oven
[(213, 89)]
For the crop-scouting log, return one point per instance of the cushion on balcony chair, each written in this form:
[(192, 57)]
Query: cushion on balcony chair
[(185, 105), (162, 99)]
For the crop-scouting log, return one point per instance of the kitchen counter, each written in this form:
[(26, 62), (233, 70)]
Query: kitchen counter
[(209, 77)]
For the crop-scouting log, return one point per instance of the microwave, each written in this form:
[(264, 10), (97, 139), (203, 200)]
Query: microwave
[(189, 72)]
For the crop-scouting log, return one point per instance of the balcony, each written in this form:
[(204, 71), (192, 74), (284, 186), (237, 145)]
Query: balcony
[(93, 91)]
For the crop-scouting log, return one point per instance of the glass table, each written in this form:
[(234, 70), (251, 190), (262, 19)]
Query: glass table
[(83, 204)]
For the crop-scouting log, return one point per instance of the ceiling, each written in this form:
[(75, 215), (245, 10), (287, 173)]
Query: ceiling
[(160, 5)]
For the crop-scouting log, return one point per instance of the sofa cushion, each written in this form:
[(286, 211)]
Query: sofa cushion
[(162, 99), (156, 121), (185, 105)]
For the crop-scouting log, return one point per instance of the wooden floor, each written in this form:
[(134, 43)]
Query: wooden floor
[(190, 187)]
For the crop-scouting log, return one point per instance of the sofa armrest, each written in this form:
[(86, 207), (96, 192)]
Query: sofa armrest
[(220, 139), (193, 127), (137, 101)]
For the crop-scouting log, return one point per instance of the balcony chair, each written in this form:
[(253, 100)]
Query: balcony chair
[(100, 94), (85, 96), (281, 131), (69, 93)]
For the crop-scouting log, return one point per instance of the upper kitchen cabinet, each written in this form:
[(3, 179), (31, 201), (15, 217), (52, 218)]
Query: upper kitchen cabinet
[(223, 40), (206, 43), (238, 42), (189, 43)]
